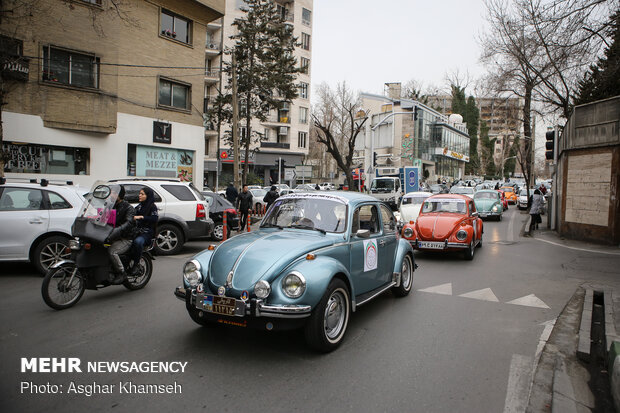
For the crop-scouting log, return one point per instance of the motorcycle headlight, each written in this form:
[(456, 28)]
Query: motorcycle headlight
[(294, 285), (262, 289), (408, 232), (191, 273), (74, 244), (461, 235)]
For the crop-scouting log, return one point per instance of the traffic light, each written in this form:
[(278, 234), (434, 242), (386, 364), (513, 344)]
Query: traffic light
[(550, 145), (277, 163), (374, 159)]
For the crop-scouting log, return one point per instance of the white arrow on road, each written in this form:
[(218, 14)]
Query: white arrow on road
[(486, 294), (529, 301), (445, 289)]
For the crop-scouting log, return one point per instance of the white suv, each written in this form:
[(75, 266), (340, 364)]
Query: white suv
[(183, 211), (36, 220)]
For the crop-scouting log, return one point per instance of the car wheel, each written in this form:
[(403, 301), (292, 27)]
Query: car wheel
[(469, 252), (169, 240), (49, 251), (330, 318), (218, 232), (406, 278), (499, 217), (479, 244)]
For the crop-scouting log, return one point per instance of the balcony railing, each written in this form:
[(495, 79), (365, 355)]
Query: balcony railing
[(213, 73), (279, 145)]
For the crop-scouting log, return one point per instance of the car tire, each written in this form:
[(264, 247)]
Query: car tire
[(479, 244), (328, 323), (499, 217), (470, 251), (49, 251), (406, 278), (218, 231), (169, 240)]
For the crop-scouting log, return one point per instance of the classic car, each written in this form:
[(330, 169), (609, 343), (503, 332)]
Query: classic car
[(489, 204), (509, 193), (447, 222), (411, 204), (463, 190), (314, 259), (504, 200)]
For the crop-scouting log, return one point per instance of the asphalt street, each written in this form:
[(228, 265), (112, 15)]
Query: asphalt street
[(465, 340)]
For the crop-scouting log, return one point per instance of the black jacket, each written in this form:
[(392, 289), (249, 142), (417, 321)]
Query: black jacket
[(148, 223), (270, 197), (244, 201), (124, 221), (232, 194)]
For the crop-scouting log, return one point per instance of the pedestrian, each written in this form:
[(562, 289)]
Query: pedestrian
[(244, 204), (270, 197), (535, 210), (543, 189), (146, 220), (317, 187), (231, 193)]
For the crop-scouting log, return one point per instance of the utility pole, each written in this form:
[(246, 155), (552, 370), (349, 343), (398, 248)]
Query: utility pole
[(235, 123)]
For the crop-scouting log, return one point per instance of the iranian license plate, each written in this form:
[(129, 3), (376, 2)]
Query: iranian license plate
[(432, 245), (219, 305)]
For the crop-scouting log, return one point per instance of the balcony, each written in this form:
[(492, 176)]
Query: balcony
[(212, 76), (278, 145), (275, 120), (212, 48)]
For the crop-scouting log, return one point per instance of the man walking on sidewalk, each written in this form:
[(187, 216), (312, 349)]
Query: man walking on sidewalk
[(244, 204)]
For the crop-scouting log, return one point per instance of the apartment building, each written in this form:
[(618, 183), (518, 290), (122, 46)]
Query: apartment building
[(286, 131), (107, 95)]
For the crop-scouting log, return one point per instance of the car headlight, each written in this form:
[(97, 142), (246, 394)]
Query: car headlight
[(408, 232), (191, 273), (461, 235), (495, 208), (262, 289), (74, 244), (294, 285)]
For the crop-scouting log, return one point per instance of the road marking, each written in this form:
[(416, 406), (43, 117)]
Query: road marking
[(519, 379), (486, 294), (543, 338), (529, 301), (575, 248), (445, 289)]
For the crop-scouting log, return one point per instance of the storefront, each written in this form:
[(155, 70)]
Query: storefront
[(153, 161)]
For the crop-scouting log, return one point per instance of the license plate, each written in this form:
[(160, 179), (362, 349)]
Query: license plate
[(483, 214), (432, 245), (219, 305)]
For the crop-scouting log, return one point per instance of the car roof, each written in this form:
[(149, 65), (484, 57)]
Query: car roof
[(343, 196), (412, 194), (493, 191), (449, 196)]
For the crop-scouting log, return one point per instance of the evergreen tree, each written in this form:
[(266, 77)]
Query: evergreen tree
[(487, 147), (603, 79), (471, 115)]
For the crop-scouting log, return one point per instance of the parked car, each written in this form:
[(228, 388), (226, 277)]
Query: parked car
[(314, 260), (183, 211), (35, 221), (305, 188), (509, 193), (217, 206), (411, 204), (463, 190), (489, 204), (447, 222), (327, 186), (257, 199), (439, 189)]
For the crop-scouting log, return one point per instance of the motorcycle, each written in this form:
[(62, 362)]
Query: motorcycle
[(89, 266)]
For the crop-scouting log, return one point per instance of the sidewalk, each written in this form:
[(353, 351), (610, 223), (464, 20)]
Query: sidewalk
[(583, 352)]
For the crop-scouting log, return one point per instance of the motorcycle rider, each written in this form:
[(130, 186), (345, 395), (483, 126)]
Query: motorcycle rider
[(121, 236)]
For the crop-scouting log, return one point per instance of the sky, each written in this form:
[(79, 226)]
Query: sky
[(369, 43)]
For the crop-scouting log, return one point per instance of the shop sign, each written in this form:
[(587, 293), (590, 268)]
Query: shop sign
[(23, 158), (162, 132), (451, 154), (227, 155), (166, 163)]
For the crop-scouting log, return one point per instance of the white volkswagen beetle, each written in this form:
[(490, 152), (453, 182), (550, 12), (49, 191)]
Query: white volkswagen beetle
[(410, 205)]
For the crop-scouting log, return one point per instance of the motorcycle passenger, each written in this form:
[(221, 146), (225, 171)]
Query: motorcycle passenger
[(146, 219), (121, 236)]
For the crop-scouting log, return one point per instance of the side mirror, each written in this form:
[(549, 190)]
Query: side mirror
[(474, 214), (362, 233)]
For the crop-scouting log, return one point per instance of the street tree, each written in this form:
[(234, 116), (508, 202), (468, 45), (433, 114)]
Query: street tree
[(266, 70), (471, 116), (338, 118)]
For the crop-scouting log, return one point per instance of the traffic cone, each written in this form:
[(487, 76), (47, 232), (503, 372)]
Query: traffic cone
[(224, 227)]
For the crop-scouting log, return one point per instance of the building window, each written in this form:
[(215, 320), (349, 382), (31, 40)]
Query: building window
[(70, 68), (175, 27), (97, 2), (305, 41), (303, 90), (306, 17), (45, 159), (304, 64), (303, 115), (173, 94), (302, 139)]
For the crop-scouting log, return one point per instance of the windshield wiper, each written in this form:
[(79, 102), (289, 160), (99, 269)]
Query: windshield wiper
[(269, 225), (307, 227)]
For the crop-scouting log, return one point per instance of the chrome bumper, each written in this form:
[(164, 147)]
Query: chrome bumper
[(255, 307), (415, 245)]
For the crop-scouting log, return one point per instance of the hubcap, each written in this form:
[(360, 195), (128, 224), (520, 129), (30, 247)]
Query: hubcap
[(167, 240), (218, 231), (52, 253), (406, 275), (335, 315)]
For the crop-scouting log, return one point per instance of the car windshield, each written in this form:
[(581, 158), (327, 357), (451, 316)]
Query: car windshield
[(524, 192), (258, 193), (444, 205), (414, 200), (311, 213), (462, 190), (486, 195), (383, 184)]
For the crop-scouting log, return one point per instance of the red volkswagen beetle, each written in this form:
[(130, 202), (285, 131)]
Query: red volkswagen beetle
[(447, 222)]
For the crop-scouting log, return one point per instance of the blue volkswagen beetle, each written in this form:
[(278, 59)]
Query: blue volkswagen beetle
[(314, 259)]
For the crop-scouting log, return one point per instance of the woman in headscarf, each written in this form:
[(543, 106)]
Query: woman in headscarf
[(536, 210), (146, 220)]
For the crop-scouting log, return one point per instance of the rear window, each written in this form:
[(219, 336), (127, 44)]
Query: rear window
[(180, 192)]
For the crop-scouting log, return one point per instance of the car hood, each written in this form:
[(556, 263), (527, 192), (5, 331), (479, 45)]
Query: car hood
[(262, 255), (410, 212), (485, 204), (438, 226)]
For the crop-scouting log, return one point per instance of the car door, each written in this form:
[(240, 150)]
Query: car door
[(23, 218), (387, 243), (365, 261)]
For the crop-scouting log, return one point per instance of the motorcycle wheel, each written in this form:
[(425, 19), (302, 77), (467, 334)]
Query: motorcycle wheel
[(142, 279), (59, 291)]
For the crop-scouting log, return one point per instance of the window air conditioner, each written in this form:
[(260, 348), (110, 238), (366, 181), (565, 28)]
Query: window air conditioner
[(283, 130)]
